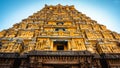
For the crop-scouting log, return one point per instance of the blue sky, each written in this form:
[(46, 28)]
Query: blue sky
[(106, 12)]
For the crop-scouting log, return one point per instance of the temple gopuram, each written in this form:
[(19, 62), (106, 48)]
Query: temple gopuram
[(59, 37)]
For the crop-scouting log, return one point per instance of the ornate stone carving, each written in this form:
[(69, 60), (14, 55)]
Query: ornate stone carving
[(59, 35)]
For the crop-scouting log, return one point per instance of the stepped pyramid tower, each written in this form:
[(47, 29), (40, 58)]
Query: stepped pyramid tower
[(59, 37)]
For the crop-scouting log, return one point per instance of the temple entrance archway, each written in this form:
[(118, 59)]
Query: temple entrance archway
[(60, 45)]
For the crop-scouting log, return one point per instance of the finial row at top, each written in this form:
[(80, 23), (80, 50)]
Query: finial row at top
[(59, 5)]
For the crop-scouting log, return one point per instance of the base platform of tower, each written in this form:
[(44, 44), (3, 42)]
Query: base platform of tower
[(59, 59), (59, 37)]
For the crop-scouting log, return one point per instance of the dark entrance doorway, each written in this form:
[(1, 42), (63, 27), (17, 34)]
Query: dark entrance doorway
[(60, 45)]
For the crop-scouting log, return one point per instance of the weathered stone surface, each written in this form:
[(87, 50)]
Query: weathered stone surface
[(59, 36)]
